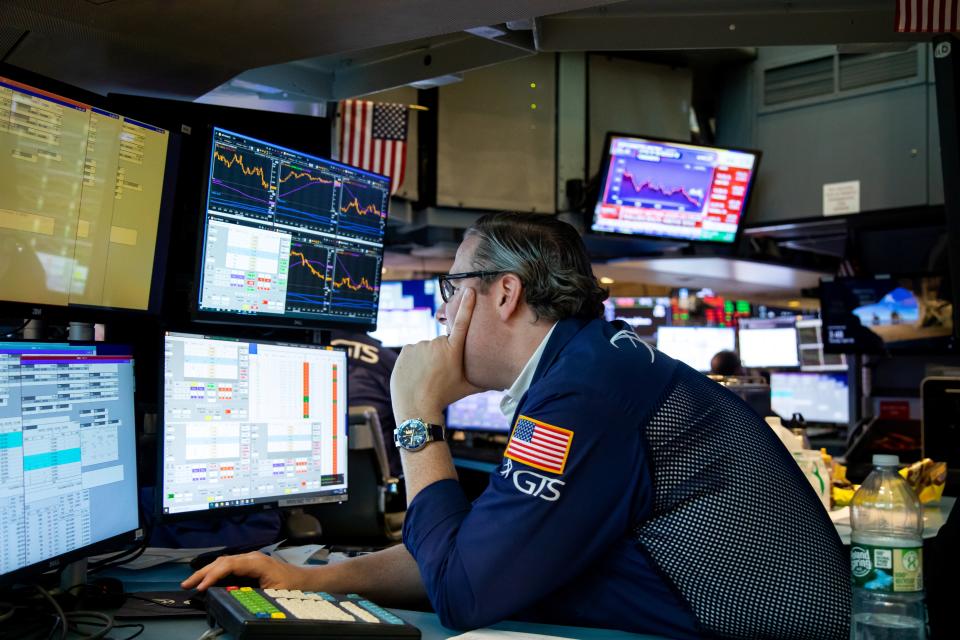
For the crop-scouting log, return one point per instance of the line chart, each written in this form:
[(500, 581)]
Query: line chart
[(307, 280), (354, 282), (239, 183), (664, 185), (305, 198), (361, 210)]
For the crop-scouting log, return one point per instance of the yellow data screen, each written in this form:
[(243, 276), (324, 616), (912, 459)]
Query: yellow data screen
[(80, 192)]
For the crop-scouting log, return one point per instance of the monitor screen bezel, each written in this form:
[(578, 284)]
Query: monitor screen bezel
[(155, 300), (591, 214), (112, 543), (949, 344), (258, 507), (206, 316)]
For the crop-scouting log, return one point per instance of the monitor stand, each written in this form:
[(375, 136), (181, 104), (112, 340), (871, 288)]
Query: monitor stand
[(73, 574), (301, 528)]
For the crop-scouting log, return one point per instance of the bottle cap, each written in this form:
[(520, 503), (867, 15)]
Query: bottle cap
[(883, 460)]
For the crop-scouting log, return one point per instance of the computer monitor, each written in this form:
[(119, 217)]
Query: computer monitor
[(85, 202), (479, 412), (289, 239), (68, 460), (644, 315), (769, 342), (810, 344), (407, 312), (818, 397), (251, 425), (887, 313), (695, 346), (675, 190)]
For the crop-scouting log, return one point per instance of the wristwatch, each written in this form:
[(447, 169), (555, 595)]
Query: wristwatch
[(414, 434)]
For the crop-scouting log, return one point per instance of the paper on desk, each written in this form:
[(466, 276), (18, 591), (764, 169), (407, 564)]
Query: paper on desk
[(299, 556), (840, 516), (154, 556), (494, 634)]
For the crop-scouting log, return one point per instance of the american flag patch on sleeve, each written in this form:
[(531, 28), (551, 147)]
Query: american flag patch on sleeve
[(539, 445)]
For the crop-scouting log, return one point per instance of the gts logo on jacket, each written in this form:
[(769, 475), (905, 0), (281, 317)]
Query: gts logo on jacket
[(358, 350)]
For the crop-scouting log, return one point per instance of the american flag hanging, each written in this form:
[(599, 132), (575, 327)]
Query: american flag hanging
[(373, 136), (540, 445), (928, 16)]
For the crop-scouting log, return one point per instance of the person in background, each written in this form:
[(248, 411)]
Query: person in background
[(368, 371), (726, 363)]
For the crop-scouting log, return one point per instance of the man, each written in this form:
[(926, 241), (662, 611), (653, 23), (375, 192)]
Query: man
[(635, 493), (726, 363)]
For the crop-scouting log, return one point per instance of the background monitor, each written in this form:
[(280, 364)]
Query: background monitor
[(645, 315), (675, 190), (68, 461), (877, 314), (695, 345), (810, 345), (479, 412), (407, 312), (84, 203), (769, 342), (819, 397), (251, 423), (289, 238)]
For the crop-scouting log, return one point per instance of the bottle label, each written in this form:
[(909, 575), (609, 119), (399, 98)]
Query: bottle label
[(886, 569)]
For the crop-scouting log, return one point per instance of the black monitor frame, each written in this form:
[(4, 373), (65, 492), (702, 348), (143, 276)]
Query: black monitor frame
[(95, 313), (605, 167), (239, 510), (255, 319), (113, 543)]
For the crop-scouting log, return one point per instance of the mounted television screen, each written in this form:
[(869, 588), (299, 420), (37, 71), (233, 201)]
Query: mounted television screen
[(644, 315), (85, 198), (407, 310), (768, 342), (288, 238), (884, 313), (673, 190)]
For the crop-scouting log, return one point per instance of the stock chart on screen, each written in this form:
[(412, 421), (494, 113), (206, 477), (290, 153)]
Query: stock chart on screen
[(673, 190), (290, 237)]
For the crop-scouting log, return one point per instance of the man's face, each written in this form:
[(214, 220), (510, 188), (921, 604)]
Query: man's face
[(478, 352)]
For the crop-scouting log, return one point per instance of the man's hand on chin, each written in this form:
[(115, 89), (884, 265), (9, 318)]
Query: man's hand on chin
[(429, 375)]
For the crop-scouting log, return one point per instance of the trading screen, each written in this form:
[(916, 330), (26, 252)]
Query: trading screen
[(695, 346), (673, 190), (252, 422), (479, 412), (80, 194), (68, 475), (289, 235), (644, 315), (769, 342), (818, 397), (407, 312)]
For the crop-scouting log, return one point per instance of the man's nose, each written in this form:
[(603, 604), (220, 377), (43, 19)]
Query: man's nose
[(442, 314)]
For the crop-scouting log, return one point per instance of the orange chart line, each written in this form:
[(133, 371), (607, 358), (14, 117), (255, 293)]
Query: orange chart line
[(355, 204), (296, 175), (306, 263), (238, 159), (345, 282)]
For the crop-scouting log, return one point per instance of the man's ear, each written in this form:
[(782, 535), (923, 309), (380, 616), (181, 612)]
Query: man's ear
[(509, 292)]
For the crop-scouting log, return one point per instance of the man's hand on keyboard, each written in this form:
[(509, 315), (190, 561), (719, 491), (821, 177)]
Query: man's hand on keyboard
[(271, 573)]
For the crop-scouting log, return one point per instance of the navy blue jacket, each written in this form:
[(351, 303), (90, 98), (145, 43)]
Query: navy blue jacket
[(649, 523)]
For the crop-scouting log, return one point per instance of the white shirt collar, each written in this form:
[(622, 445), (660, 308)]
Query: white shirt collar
[(510, 400)]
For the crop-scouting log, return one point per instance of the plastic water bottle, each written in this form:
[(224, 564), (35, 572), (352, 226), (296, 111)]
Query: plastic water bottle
[(886, 557)]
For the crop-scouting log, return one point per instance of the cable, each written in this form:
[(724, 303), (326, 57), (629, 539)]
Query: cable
[(104, 621), (209, 634), (130, 626), (6, 615), (62, 618), (18, 329)]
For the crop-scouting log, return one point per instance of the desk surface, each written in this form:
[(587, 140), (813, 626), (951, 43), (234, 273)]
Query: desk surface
[(167, 578)]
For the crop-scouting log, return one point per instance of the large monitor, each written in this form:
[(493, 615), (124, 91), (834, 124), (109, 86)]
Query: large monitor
[(673, 190), (818, 397), (68, 461), (479, 412), (251, 424), (85, 198), (886, 313), (695, 346), (645, 315), (288, 238), (769, 342), (407, 312)]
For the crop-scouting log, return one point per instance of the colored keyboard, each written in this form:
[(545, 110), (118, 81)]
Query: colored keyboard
[(248, 613)]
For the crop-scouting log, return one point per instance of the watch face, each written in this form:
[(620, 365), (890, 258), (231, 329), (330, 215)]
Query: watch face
[(412, 435)]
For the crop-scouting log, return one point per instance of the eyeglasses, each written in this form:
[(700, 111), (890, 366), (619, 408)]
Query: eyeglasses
[(447, 290)]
